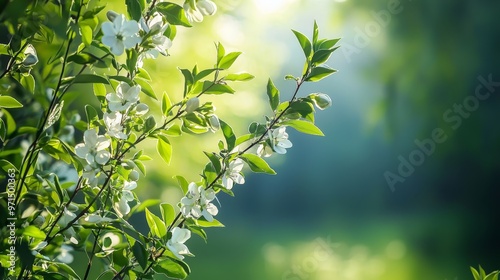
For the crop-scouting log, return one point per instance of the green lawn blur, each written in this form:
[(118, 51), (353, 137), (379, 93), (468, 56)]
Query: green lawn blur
[(330, 213)]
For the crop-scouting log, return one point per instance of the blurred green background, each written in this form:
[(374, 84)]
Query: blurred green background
[(405, 68)]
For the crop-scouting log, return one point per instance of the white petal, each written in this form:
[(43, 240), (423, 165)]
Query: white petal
[(238, 179), (130, 41), (108, 30), (130, 28), (81, 150), (102, 157), (118, 48), (285, 144)]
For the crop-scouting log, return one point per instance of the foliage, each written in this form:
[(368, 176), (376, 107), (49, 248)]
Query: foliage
[(64, 193), (481, 275)]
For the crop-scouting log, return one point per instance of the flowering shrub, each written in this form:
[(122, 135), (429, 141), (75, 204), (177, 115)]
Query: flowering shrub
[(64, 193)]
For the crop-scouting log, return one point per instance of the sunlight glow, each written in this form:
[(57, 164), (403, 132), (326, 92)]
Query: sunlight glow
[(271, 7)]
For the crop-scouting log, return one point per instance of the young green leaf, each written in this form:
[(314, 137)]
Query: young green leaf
[(156, 225), (85, 79), (173, 13), (319, 73), (168, 213), (228, 135), (257, 164), (173, 268), (134, 9), (9, 102), (183, 183), (166, 104), (304, 42), (240, 77), (304, 127), (164, 148), (203, 223), (274, 94), (228, 60), (146, 87)]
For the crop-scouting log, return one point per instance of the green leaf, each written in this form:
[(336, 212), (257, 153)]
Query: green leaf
[(173, 268), (168, 213), (304, 42), (66, 268), (9, 102), (228, 135), (240, 77), (3, 130), (99, 90), (208, 87), (304, 127), (91, 114), (86, 32), (166, 104), (492, 276), (214, 159), (33, 231), (183, 183), (82, 58), (6, 165), (328, 44), (131, 61), (257, 164), (4, 49), (134, 9), (164, 148), (140, 254), (315, 33), (228, 60), (203, 223), (274, 94), (244, 138), (321, 56), (202, 74), (319, 73), (221, 51), (475, 273), (173, 13), (146, 87), (28, 82), (155, 224), (85, 79)]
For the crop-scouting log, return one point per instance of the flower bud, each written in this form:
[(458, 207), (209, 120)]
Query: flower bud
[(213, 120), (133, 176), (206, 7), (192, 104), (111, 15), (321, 100), (31, 57)]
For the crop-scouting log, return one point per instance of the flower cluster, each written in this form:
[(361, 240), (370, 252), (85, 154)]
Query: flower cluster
[(277, 141), (197, 203), (120, 34)]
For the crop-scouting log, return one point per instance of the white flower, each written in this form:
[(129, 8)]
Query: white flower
[(120, 34), (192, 13), (176, 243), (160, 42), (64, 255), (121, 207), (197, 203), (264, 150), (206, 7), (124, 97), (94, 148), (65, 219), (190, 207), (232, 174), (109, 241), (113, 124), (279, 140)]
